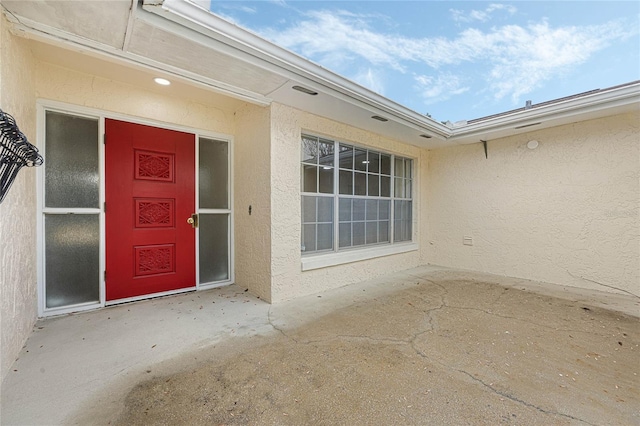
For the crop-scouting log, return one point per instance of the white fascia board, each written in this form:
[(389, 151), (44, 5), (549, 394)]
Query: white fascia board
[(587, 105), (264, 54), (36, 31)]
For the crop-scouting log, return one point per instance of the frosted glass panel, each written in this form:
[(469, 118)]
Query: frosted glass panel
[(72, 252), (214, 247), (214, 174), (71, 161)]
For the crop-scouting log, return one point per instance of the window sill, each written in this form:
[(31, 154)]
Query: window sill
[(331, 259)]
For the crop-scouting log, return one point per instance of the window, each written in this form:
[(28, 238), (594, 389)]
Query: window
[(353, 197)]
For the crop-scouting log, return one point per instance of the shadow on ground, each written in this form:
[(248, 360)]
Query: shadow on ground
[(431, 352)]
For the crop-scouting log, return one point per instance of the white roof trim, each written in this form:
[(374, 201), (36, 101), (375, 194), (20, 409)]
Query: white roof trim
[(267, 55), (624, 97), (36, 31), (290, 65)]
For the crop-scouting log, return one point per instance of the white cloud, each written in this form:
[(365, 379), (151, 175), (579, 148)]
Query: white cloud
[(481, 15), (337, 35), (511, 60), (439, 88), (371, 79)]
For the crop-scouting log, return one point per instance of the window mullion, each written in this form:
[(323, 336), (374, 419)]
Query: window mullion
[(336, 187), (392, 207)]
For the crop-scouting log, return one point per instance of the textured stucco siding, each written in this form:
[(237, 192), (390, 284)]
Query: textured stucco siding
[(567, 212), (288, 279), (18, 272), (251, 183)]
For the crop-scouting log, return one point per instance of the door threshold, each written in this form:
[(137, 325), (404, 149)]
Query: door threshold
[(149, 296)]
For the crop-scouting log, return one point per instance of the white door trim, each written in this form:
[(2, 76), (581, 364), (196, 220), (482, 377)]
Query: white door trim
[(44, 105)]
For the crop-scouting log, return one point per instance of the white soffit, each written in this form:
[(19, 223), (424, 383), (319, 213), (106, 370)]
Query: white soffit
[(88, 18), (167, 47), (338, 98), (29, 22)]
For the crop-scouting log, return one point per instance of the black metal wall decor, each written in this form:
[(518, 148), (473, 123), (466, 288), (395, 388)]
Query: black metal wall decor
[(15, 153)]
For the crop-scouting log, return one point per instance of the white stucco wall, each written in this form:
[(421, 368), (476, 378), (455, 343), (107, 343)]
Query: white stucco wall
[(251, 182), (18, 279), (567, 212), (288, 279)]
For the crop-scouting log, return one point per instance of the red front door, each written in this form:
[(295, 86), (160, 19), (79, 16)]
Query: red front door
[(150, 194)]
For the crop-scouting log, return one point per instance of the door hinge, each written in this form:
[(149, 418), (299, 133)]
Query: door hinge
[(104, 206), (105, 276), (104, 139)]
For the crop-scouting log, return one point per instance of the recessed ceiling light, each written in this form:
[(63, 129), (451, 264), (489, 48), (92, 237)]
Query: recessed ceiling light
[(162, 81), (426, 136), (377, 117), (304, 90)]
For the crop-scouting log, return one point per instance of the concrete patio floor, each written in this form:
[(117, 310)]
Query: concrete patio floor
[(427, 346)]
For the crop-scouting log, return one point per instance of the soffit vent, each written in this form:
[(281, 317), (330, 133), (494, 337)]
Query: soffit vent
[(305, 90), (527, 125)]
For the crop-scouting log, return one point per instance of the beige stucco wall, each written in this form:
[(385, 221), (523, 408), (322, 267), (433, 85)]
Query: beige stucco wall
[(567, 212), (251, 186), (288, 279), (18, 279)]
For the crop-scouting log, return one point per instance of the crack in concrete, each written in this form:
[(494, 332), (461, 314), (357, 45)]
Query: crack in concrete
[(527, 320), (603, 285), (278, 329), (518, 400)]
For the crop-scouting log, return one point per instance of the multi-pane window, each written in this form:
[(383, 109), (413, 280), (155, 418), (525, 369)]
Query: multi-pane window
[(353, 196)]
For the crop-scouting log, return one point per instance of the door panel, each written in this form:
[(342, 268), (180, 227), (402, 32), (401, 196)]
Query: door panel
[(150, 193)]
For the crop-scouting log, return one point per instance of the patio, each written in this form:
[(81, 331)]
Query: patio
[(427, 346)]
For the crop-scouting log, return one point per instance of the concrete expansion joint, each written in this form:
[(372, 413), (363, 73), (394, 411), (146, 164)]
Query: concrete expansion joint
[(518, 400)]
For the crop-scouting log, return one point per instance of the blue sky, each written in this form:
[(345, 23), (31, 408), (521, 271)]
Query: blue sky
[(457, 60)]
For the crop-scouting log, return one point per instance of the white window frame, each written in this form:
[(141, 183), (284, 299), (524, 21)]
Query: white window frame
[(337, 256)]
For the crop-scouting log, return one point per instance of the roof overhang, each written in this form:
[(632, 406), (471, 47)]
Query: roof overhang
[(602, 103), (207, 54)]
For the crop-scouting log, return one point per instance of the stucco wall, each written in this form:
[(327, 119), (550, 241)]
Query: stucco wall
[(18, 279), (251, 183), (567, 212), (288, 279)]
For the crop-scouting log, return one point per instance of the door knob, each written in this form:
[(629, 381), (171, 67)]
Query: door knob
[(193, 220)]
